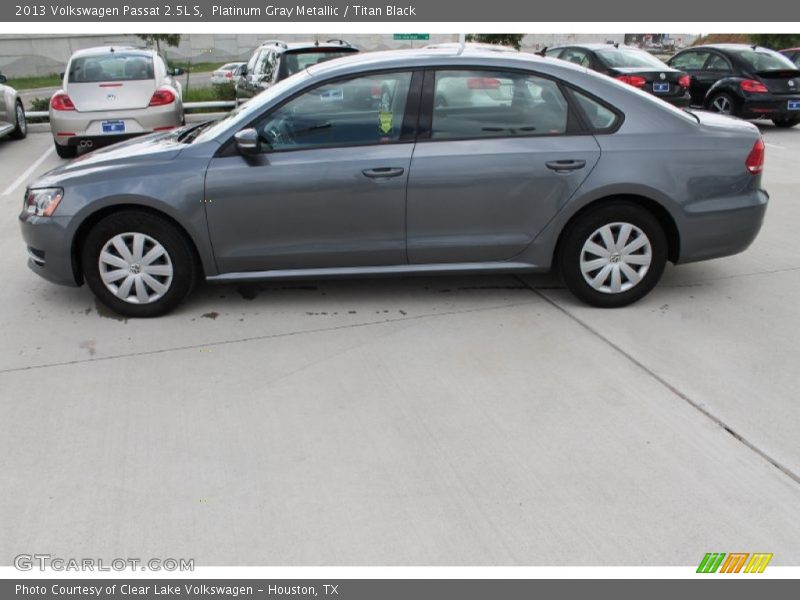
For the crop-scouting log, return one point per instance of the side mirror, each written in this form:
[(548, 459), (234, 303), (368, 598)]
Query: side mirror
[(177, 71), (243, 72), (61, 75), (247, 142), (3, 78)]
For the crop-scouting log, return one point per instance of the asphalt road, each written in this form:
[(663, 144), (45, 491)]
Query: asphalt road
[(433, 421)]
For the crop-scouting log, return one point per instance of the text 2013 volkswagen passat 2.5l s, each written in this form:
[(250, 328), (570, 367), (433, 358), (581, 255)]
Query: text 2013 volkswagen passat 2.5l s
[(410, 162)]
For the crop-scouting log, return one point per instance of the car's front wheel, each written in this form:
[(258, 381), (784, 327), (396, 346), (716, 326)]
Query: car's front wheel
[(138, 264), (613, 255), (21, 130), (786, 123)]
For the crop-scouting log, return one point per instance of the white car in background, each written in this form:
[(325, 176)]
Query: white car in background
[(227, 73), (112, 93), (12, 113)]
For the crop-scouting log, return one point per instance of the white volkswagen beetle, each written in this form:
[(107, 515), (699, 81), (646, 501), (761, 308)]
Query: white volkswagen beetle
[(12, 113)]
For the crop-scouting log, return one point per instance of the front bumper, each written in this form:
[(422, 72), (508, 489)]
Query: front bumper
[(722, 227), (71, 127), (49, 246)]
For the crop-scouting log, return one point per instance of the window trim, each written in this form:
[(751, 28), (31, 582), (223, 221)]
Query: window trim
[(228, 147), (576, 122)]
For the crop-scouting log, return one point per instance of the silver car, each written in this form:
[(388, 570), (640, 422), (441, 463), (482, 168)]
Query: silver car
[(352, 168), (12, 113), (228, 73), (112, 93)]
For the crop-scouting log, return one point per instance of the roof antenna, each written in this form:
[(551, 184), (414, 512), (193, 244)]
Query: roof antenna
[(462, 42)]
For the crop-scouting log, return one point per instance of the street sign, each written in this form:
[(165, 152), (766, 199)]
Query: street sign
[(412, 36)]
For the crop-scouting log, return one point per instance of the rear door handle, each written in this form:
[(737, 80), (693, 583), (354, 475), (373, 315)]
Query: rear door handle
[(383, 172), (564, 166)]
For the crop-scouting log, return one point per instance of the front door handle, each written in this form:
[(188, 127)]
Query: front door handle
[(383, 172), (564, 166)]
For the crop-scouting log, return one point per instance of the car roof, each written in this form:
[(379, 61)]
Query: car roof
[(111, 48), (595, 46), (394, 59), (728, 47), (281, 46)]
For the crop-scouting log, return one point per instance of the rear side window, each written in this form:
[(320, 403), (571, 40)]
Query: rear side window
[(600, 117), (485, 104), (114, 66), (717, 63)]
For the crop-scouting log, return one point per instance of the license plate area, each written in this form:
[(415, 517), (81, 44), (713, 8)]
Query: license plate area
[(661, 87), (794, 104), (113, 126)]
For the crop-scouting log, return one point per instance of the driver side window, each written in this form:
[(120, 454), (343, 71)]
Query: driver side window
[(355, 112)]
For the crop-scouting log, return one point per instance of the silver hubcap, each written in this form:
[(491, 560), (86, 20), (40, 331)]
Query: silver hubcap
[(722, 105), (23, 126), (615, 258), (135, 268)]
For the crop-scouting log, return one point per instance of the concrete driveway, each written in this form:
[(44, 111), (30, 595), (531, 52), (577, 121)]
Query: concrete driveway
[(433, 421)]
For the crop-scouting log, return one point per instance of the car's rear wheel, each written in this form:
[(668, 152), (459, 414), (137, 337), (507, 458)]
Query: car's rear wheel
[(723, 103), (138, 264), (66, 151), (613, 255), (21, 130), (786, 123)]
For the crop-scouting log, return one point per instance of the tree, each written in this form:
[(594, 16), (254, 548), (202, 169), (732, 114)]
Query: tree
[(501, 39), (776, 41), (170, 39)]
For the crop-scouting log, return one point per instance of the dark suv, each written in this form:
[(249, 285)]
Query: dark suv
[(275, 60)]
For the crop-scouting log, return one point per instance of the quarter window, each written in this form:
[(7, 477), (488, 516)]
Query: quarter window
[(717, 63), (355, 112), (600, 117), (485, 104)]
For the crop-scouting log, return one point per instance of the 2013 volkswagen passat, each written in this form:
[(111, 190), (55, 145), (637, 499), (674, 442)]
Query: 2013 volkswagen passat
[(410, 162)]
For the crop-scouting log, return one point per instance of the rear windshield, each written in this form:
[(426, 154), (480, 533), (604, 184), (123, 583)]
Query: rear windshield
[(628, 57), (764, 60), (292, 62), (114, 66)]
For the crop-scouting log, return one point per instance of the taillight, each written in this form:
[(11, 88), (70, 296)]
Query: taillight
[(61, 101), (684, 81), (229, 75), (751, 85), (162, 97), (634, 80), (755, 160), (483, 83)]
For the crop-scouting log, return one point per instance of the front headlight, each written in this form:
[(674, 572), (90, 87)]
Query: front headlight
[(43, 201)]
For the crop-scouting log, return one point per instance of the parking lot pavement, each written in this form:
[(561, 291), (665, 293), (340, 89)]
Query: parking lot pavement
[(462, 420)]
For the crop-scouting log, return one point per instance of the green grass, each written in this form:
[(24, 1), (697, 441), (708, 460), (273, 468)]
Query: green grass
[(200, 67), (224, 91), (30, 83)]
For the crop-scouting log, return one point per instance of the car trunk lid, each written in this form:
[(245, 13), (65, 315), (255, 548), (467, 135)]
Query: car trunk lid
[(111, 95), (781, 82)]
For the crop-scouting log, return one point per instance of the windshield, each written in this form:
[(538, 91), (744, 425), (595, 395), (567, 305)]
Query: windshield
[(629, 57), (292, 62), (113, 66), (764, 60), (247, 112)]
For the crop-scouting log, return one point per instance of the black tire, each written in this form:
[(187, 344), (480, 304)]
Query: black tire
[(21, 130), (179, 250), (723, 98), (581, 230), (786, 123), (66, 151)]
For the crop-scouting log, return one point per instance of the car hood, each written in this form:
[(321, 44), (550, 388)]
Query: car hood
[(157, 148)]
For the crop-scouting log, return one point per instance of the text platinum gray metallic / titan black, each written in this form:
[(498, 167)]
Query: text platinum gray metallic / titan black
[(409, 162)]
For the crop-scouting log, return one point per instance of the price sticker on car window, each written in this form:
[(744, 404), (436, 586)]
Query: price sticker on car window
[(385, 119)]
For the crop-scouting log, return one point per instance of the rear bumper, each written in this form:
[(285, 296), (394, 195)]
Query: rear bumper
[(770, 107), (722, 227), (70, 127)]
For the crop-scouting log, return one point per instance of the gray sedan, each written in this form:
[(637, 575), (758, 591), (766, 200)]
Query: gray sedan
[(12, 113), (404, 163)]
